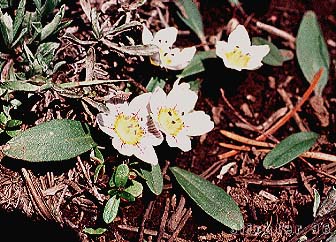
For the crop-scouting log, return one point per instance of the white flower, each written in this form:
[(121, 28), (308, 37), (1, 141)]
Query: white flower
[(126, 123), (167, 57), (175, 116), (238, 53)]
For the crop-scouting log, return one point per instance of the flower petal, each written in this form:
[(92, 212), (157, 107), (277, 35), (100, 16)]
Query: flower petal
[(239, 37), (139, 103), (181, 141), (177, 59), (197, 123), (165, 38), (123, 149), (106, 122), (147, 154), (222, 47), (157, 100), (182, 97), (147, 36), (259, 51)]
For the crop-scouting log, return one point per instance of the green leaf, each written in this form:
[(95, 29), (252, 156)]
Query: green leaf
[(125, 195), (289, 149), (317, 200), (48, 7), (4, 4), (154, 179), (6, 27), (92, 231), (95, 23), (51, 27), (135, 189), (287, 55), (211, 198), (155, 82), (121, 175), (13, 123), (55, 140), (45, 53), (274, 57), (111, 209), (195, 85), (19, 86), (20, 13), (196, 64), (311, 50), (191, 16), (143, 50), (100, 167), (3, 118)]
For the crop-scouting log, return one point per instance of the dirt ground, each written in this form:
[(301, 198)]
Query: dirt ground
[(276, 204)]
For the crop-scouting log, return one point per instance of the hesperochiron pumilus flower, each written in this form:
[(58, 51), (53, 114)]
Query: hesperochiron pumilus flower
[(167, 57), (174, 115), (127, 124), (238, 53)]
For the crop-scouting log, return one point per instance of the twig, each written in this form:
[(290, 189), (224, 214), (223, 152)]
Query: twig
[(234, 147), (290, 114), (316, 170), (289, 103), (145, 217), (163, 220), (180, 226), (278, 32), (245, 140)]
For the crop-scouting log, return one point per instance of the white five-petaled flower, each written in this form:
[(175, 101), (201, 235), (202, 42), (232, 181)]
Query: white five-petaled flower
[(167, 57), (238, 53), (175, 116), (127, 123)]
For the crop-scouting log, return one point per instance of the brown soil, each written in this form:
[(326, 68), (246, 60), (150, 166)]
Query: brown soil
[(276, 204)]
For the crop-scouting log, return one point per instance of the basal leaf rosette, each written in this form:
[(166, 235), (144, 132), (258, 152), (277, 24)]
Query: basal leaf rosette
[(238, 53), (175, 116), (167, 57), (127, 123)]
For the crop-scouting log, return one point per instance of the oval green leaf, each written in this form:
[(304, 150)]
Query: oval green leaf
[(274, 57), (135, 189), (154, 179), (211, 198), (311, 50), (111, 209), (93, 231), (55, 140), (121, 175), (289, 149)]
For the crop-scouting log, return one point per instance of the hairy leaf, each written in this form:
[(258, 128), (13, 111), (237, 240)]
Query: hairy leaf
[(289, 149), (274, 57), (154, 179), (51, 27), (155, 82), (311, 50), (121, 175), (196, 64), (211, 198), (55, 140), (93, 231), (191, 16), (111, 209)]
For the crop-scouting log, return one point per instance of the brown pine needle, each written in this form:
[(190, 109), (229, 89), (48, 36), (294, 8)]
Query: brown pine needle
[(234, 147), (245, 140), (291, 113)]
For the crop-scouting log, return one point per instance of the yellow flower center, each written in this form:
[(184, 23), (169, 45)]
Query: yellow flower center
[(170, 120), (237, 58), (128, 129)]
